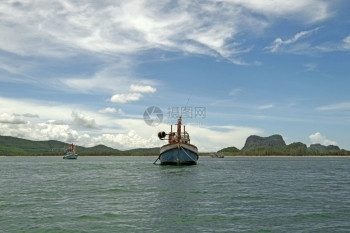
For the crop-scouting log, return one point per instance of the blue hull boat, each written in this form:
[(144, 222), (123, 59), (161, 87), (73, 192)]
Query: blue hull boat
[(179, 150), (178, 154)]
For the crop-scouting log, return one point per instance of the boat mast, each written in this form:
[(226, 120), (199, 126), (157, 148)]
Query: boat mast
[(179, 129)]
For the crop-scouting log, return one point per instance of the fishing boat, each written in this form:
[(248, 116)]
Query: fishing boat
[(217, 155), (70, 152), (178, 150)]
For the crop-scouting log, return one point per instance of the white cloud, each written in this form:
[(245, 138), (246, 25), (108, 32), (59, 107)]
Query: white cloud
[(310, 66), (214, 138), (130, 134), (108, 110), (135, 94), (235, 92), (40, 131), (267, 106), (56, 122), (125, 98), (120, 111), (334, 107), (136, 133), (318, 138), (142, 88), (52, 130), (123, 133), (30, 115), (63, 28), (112, 78), (51, 124), (6, 118), (293, 45), (278, 42), (116, 33), (346, 43), (82, 120), (46, 109), (130, 140), (343, 45), (50, 113), (310, 10)]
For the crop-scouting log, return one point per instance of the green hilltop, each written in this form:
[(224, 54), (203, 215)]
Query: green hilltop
[(12, 146)]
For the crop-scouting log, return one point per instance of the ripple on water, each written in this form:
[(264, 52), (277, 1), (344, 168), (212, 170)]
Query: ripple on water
[(110, 194)]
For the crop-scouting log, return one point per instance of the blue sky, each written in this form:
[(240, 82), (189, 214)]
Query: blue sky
[(85, 71)]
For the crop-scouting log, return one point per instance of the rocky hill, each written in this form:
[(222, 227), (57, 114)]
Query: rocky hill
[(254, 142), (275, 145), (320, 147)]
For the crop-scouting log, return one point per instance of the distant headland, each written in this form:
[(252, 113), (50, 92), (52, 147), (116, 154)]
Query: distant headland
[(254, 146), (275, 145)]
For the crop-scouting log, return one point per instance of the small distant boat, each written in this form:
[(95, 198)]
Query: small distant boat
[(70, 152), (179, 150), (217, 155)]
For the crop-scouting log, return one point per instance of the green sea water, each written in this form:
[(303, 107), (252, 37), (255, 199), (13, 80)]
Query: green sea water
[(130, 194)]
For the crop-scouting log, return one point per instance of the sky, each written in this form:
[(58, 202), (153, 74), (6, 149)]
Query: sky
[(89, 72)]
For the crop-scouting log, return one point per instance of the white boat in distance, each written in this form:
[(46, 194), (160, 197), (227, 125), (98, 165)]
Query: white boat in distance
[(70, 152)]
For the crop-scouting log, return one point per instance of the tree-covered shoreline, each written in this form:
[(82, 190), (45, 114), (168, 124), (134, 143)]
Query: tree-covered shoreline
[(255, 146)]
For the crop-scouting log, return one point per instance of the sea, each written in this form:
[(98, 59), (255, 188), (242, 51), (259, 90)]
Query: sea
[(131, 194)]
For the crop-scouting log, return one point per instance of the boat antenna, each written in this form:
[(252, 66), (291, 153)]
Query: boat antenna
[(188, 100)]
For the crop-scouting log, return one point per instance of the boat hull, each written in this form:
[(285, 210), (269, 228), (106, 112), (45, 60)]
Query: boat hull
[(70, 156), (178, 154)]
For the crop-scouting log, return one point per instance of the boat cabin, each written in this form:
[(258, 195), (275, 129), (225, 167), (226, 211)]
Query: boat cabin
[(178, 136)]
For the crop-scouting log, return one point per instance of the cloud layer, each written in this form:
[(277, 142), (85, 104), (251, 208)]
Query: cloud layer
[(123, 132), (334, 107), (319, 138), (60, 28), (117, 34)]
